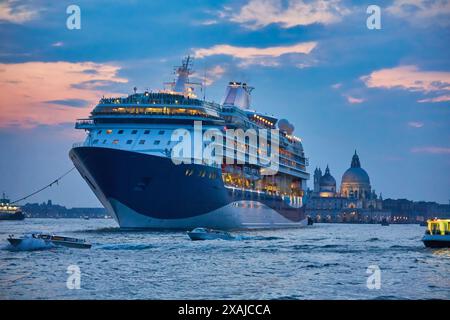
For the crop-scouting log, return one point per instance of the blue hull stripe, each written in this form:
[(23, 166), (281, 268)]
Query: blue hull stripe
[(153, 186)]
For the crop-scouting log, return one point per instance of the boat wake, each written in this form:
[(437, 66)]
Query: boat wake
[(31, 245)]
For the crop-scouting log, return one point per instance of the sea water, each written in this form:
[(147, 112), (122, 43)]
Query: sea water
[(325, 261)]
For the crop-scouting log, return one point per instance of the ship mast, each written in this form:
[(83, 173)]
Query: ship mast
[(182, 85)]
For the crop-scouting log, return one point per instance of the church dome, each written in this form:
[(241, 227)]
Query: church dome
[(355, 174), (327, 180)]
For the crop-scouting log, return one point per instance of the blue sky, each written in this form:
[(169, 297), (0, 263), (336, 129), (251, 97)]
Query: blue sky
[(383, 92)]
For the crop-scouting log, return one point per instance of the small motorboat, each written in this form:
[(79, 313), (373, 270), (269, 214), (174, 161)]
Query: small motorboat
[(49, 239), (437, 234), (209, 234), (384, 222)]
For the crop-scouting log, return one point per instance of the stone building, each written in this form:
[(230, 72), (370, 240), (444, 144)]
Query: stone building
[(354, 201)]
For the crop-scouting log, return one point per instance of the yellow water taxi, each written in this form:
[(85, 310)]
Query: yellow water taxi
[(437, 234)]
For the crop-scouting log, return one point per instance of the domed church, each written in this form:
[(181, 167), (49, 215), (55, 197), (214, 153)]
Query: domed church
[(355, 181), (355, 195)]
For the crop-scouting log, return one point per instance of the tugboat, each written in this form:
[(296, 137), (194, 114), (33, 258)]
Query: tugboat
[(8, 211), (50, 239), (209, 234), (437, 234)]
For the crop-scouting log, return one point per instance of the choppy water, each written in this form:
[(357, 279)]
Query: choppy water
[(326, 261)]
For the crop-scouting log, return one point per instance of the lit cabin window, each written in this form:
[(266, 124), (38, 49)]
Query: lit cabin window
[(95, 141), (129, 141), (108, 131), (116, 141), (146, 131), (156, 142), (120, 132), (134, 132), (141, 141), (161, 132)]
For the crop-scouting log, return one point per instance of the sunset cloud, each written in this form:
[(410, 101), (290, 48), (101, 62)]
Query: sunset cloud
[(412, 79), (257, 14), (34, 93), (252, 55)]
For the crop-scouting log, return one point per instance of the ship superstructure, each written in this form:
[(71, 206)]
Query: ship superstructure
[(127, 160)]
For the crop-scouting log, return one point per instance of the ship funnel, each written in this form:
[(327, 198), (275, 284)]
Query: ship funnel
[(238, 94)]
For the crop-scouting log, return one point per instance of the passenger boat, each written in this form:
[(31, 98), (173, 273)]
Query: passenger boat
[(209, 234), (50, 239), (8, 211), (437, 234)]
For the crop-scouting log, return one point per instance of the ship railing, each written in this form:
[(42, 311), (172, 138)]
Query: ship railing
[(84, 122), (77, 144)]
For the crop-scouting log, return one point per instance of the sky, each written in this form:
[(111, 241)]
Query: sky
[(384, 92)]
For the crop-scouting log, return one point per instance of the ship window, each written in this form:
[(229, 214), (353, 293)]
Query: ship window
[(99, 131), (168, 142), (146, 131), (141, 141), (108, 131), (156, 142), (95, 141), (120, 132), (104, 141), (161, 132), (134, 132), (129, 141), (116, 141)]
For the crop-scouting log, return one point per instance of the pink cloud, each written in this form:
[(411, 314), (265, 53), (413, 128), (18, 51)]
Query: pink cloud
[(412, 79), (34, 93), (354, 100), (431, 150), (443, 98)]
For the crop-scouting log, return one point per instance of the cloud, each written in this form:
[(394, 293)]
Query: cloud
[(431, 150), (211, 75), (443, 98), (12, 12), (34, 93), (75, 103), (258, 14), (354, 100), (417, 11), (412, 79), (336, 85), (252, 55), (415, 124)]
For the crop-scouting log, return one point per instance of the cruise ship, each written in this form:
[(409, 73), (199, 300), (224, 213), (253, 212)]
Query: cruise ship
[(137, 160)]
